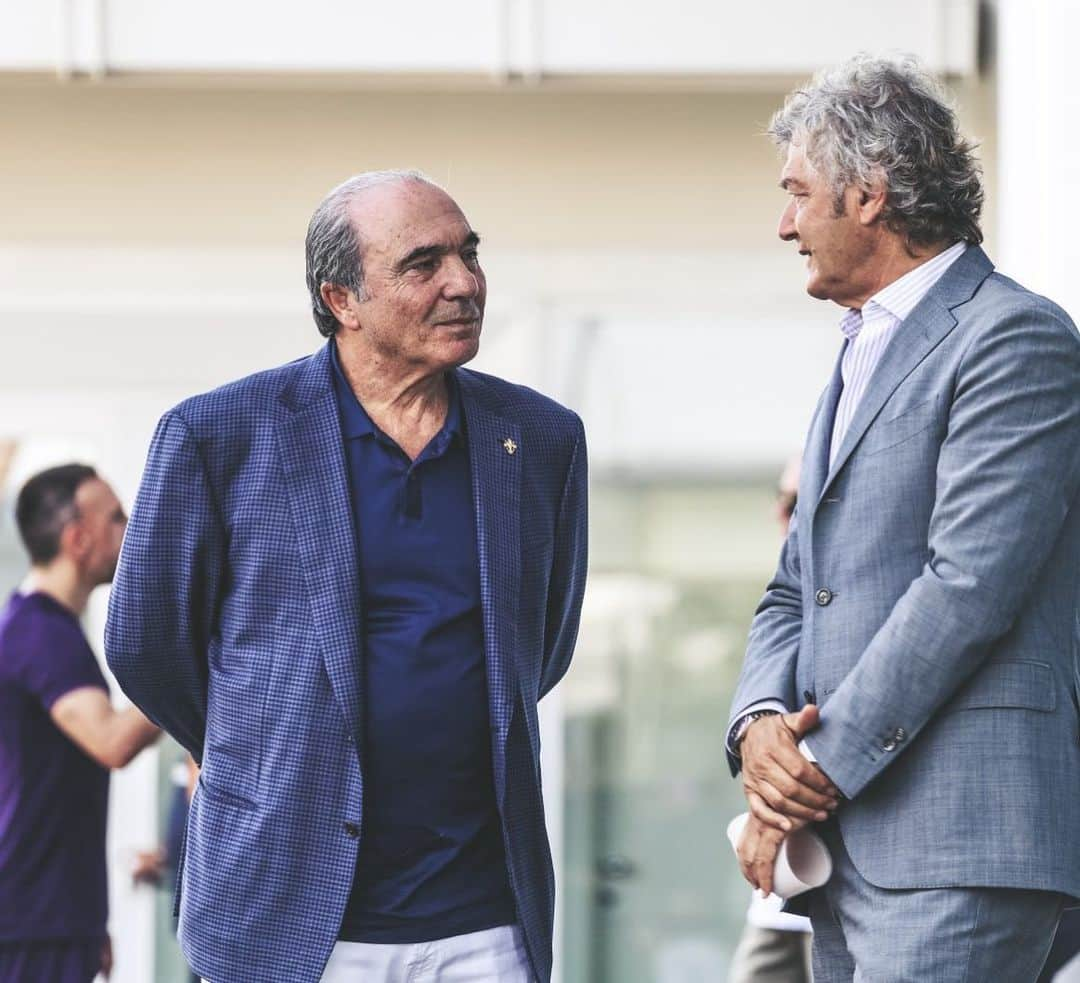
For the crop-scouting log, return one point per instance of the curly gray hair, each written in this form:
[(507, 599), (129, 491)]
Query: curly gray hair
[(332, 247), (872, 118)]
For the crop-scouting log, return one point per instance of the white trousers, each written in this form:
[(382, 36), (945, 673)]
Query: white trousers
[(495, 955)]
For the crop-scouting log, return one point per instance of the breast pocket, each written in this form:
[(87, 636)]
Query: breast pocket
[(888, 432)]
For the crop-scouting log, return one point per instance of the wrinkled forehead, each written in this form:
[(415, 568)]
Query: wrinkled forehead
[(395, 217)]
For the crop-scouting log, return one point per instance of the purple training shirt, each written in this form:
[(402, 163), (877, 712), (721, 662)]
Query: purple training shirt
[(53, 797)]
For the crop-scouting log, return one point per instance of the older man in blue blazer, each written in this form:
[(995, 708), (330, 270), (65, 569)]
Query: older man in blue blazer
[(345, 586), (911, 683)]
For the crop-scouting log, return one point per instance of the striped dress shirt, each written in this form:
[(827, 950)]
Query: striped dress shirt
[(868, 332)]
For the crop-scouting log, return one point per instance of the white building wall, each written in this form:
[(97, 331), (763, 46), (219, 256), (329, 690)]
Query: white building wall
[(1039, 140), (477, 38)]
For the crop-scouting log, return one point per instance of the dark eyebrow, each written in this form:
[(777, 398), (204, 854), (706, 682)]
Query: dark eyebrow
[(472, 240)]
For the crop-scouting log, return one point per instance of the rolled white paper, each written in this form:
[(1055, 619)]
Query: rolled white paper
[(802, 864)]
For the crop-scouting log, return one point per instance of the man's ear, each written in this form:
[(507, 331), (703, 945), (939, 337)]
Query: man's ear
[(74, 541), (342, 303), (871, 202)]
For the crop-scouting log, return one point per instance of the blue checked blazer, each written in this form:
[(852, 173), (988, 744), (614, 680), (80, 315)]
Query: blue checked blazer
[(235, 623), (928, 596)]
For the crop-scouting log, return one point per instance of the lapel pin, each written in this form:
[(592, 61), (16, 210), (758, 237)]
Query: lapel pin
[(509, 446)]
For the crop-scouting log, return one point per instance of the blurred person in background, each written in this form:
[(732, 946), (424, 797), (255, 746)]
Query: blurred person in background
[(910, 683), (160, 868), (345, 586), (59, 735), (775, 944)]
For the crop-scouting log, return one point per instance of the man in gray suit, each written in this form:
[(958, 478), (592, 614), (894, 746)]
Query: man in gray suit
[(911, 680)]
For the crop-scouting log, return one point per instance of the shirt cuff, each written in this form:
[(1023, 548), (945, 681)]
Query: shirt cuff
[(753, 708), (804, 748)]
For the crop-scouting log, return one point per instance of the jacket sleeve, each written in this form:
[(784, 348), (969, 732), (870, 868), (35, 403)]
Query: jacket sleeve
[(164, 599), (1007, 474), (772, 651), (566, 588)]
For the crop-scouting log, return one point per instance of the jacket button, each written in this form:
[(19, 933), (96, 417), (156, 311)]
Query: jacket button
[(823, 597), (352, 831), (808, 696), (898, 736)]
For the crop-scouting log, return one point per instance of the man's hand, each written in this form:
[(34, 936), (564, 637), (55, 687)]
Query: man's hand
[(783, 789), (149, 867), (758, 849)]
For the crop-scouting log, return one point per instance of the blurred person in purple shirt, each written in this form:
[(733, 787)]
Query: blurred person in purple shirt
[(59, 735), (775, 944)]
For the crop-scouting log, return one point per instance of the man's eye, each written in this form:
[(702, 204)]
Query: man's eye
[(471, 256), (425, 265)]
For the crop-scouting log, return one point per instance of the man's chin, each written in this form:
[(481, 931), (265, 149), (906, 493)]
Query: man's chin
[(816, 289), (467, 349)]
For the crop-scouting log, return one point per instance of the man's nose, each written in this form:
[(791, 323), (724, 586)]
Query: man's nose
[(786, 230), (461, 280)]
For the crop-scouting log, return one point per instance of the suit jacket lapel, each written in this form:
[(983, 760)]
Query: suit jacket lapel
[(919, 334), (316, 480), (913, 340), (495, 454)]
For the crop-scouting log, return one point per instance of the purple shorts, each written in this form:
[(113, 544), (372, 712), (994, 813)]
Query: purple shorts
[(54, 960)]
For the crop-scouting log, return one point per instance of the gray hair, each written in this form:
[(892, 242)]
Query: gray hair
[(333, 245), (872, 118)]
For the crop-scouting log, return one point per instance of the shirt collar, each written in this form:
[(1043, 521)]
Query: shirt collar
[(902, 296), (851, 323), (355, 421)]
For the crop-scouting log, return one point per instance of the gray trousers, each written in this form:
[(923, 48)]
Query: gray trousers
[(769, 955), (867, 934)]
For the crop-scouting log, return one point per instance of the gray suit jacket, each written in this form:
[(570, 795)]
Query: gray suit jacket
[(927, 596)]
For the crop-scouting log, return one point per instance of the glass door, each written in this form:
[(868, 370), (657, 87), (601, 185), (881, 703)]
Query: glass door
[(650, 887)]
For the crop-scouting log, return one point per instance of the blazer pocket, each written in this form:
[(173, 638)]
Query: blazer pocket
[(884, 434), (1023, 685), (221, 779)]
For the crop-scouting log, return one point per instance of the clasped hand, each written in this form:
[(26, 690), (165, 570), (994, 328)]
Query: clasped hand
[(784, 790)]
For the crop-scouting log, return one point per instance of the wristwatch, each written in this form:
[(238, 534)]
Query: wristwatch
[(744, 723)]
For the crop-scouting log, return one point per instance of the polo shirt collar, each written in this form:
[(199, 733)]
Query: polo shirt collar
[(355, 421)]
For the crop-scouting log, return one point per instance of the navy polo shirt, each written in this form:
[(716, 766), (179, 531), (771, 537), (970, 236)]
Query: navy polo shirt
[(431, 861), (53, 796)]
